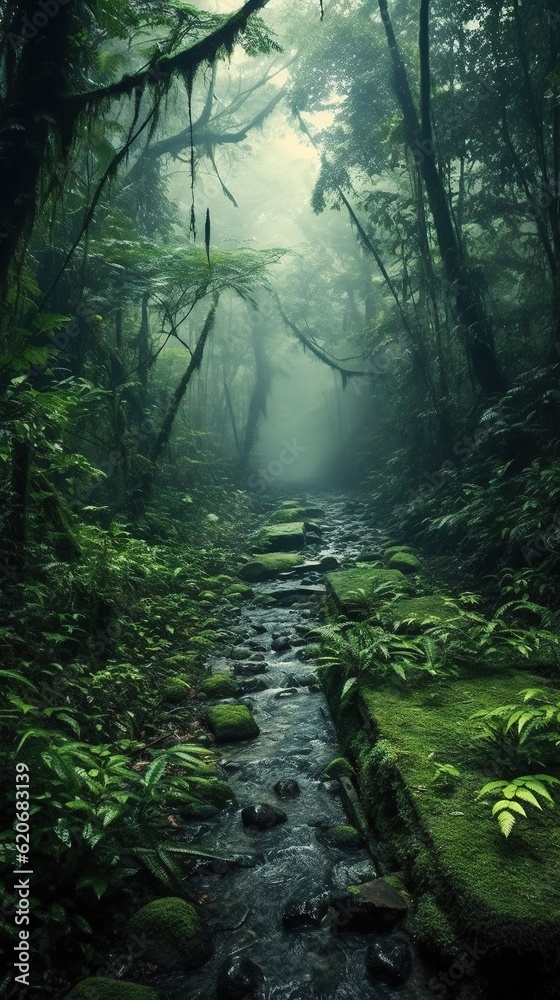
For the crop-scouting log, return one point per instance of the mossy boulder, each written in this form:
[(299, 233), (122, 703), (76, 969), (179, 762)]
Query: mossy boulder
[(101, 988), (393, 550), (451, 846), (239, 591), (281, 537), (351, 589), (406, 562), (220, 686), (266, 566), (174, 936), (177, 689), (286, 515), (338, 768), (231, 723), (341, 836)]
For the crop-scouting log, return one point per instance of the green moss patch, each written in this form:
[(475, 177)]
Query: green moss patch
[(281, 537), (231, 723), (341, 836), (406, 562), (505, 892), (351, 589), (268, 565), (422, 612), (100, 988), (173, 934), (338, 768), (220, 686), (393, 550), (177, 689), (286, 515)]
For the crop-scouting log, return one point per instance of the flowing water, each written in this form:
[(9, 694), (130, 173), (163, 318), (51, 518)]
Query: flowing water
[(288, 861)]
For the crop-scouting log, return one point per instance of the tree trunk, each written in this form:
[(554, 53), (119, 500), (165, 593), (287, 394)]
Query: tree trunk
[(169, 419), (259, 396), (419, 138)]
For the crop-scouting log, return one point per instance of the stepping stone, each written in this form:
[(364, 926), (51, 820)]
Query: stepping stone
[(263, 817)]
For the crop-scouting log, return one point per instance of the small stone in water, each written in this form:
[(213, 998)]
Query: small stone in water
[(263, 817), (239, 979), (287, 788), (389, 959)]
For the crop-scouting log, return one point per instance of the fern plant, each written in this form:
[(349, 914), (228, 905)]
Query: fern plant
[(515, 795), (529, 730)]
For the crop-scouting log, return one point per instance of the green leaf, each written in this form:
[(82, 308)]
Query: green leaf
[(508, 804), (506, 822), (527, 796)]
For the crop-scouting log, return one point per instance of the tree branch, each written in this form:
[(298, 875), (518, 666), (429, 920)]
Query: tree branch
[(163, 68)]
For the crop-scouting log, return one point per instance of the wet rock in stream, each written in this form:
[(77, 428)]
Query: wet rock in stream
[(389, 959), (263, 817), (249, 669), (305, 912), (287, 788), (240, 979)]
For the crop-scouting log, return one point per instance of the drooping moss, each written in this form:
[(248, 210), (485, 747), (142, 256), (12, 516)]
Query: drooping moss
[(338, 768), (232, 723), (281, 537), (172, 934), (265, 566), (100, 988), (431, 928), (220, 686), (406, 562), (351, 589)]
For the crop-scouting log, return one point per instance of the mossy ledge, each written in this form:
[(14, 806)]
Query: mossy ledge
[(449, 847), (100, 988)]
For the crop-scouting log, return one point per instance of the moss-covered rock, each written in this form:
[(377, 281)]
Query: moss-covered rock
[(351, 589), (177, 689), (231, 723), (341, 836), (239, 591), (266, 566), (220, 686), (338, 768), (420, 612), (503, 892), (406, 562), (281, 537), (101, 988), (182, 661), (174, 936), (393, 550), (287, 515)]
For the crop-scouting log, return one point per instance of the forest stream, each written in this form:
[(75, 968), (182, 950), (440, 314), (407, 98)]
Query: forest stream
[(274, 908)]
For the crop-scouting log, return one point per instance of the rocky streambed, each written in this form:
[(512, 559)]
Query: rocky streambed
[(301, 912)]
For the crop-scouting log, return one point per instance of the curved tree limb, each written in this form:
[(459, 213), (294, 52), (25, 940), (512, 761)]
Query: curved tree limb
[(163, 68)]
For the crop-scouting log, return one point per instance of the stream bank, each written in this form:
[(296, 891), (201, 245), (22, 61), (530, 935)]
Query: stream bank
[(282, 902)]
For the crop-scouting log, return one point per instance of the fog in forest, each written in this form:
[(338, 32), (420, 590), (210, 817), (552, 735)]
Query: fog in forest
[(280, 499)]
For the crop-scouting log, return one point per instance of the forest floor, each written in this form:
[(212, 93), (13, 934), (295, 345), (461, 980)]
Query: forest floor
[(251, 854)]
